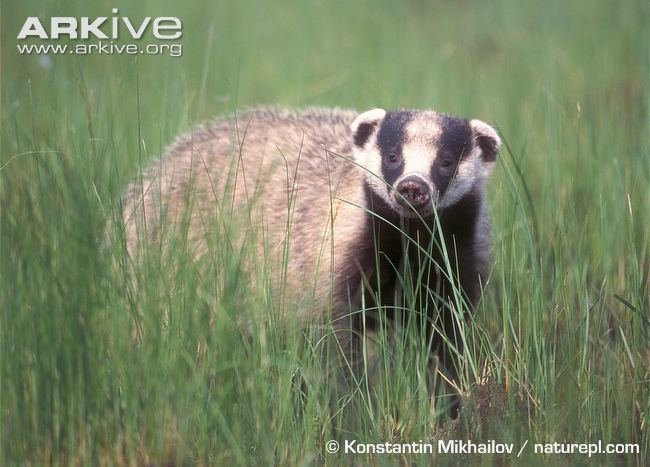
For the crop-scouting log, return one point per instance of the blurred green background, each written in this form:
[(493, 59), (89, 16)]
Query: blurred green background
[(565, 330)]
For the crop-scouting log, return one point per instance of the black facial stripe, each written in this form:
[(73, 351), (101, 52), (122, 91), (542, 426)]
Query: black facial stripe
[(390, 140), (455, 144), (455, 137)]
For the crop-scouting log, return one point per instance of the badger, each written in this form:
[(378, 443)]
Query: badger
[(341, 204)]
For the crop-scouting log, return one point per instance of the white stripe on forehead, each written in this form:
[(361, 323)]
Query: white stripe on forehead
[(423, 125), (419, 149)]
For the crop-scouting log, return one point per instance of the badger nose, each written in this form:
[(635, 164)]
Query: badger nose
[(415, 192)]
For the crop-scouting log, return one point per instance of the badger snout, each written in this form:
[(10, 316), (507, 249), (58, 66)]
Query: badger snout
[(414, 191)]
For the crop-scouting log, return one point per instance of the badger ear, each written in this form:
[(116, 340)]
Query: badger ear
[(487, 139), (365, 124)]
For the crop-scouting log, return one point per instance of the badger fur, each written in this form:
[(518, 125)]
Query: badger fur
[(340, 201)]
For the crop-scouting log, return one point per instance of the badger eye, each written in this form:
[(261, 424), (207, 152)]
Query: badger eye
[(445, 163), (393, 158)]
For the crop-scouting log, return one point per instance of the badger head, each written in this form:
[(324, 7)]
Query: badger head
[(417, 161)]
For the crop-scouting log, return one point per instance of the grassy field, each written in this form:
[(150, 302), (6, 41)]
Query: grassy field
[(561, 343)]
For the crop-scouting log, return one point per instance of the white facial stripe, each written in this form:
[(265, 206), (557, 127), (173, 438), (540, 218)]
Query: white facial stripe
[(420, 151), (370, 159), (423, 123), (418, 158)]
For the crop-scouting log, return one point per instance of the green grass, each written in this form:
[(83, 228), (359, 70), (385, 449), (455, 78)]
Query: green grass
[(560, 350)]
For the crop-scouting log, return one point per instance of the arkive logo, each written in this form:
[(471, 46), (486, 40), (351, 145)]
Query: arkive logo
[(163, 28), (102, 35)]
